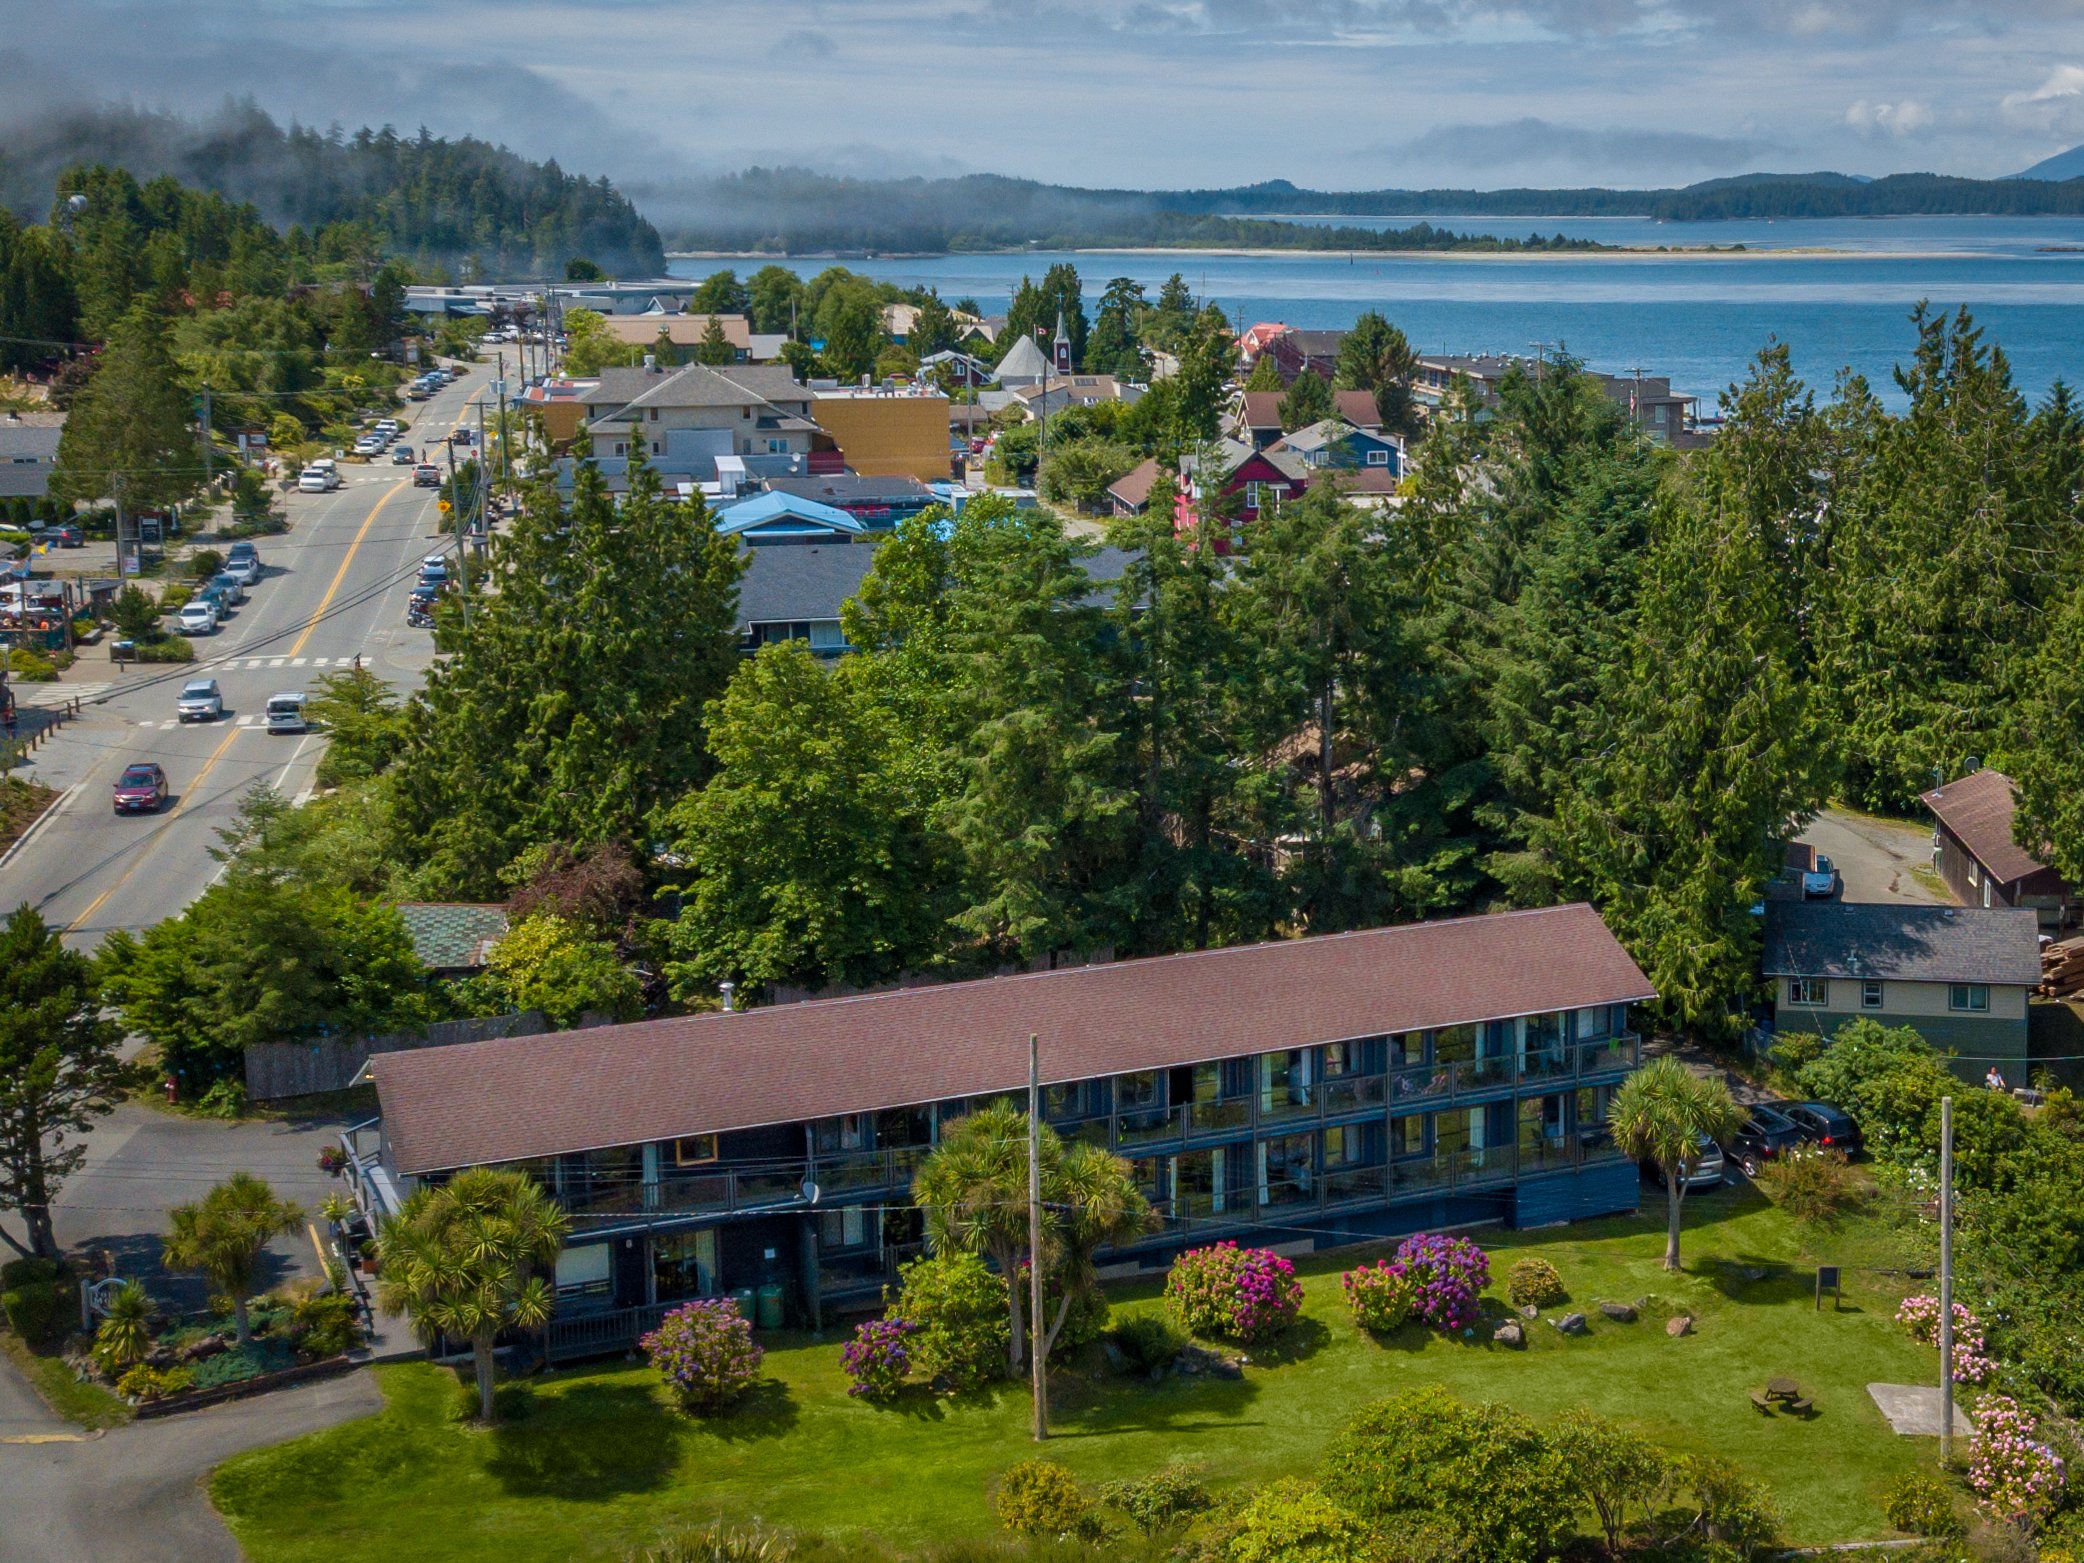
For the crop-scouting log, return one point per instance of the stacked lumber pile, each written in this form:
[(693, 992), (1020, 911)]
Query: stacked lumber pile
[(2062, 969)]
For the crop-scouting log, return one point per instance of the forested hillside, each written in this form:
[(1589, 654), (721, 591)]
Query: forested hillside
[(464, 203)]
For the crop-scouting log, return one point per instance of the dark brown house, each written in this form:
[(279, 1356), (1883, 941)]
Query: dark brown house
[(1973, 850)]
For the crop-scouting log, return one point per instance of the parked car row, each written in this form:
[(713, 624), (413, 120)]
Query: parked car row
[(1769, 1131), (221, 593)]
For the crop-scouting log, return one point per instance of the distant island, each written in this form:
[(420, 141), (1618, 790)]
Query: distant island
[(795, 211)]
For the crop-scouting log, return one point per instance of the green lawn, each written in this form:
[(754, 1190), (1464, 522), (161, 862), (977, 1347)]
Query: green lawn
[(89, 1405), (593, 1460)]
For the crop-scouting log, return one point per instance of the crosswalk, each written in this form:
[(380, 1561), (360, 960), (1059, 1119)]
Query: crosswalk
[(250, 719), (28, 695), (232, 664)]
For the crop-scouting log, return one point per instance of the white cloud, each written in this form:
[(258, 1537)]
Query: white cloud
[(1903, 118), (2055, 106)]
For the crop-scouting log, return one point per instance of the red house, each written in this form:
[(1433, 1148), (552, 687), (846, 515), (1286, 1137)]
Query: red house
[(1262, 480)]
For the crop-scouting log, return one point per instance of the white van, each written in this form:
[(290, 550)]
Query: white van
[(314, 480), (286, 714)]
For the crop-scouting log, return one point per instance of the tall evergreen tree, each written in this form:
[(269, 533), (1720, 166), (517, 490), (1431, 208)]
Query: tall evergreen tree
[(1113, 348), (2047, 752), (1375, 357), (59, 1072), (1308, 401), (128, 437), (1932, 549), (1706, 745), (570, 707)]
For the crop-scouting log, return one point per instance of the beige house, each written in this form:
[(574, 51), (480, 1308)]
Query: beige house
[(888, 434), (1959, 975), (744, 410), (682, 331)]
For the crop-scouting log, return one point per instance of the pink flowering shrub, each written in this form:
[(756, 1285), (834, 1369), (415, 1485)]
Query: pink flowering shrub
[(1381, 1295), (1447, 1274), (878, 1358), (1243, 1294), (2016, 1477), (705, 1351), (1972, 1364)]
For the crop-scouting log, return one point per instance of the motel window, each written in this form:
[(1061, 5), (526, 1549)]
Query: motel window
[(848, 1132), (1870, 994), (1814, 992), (584, 1271), (1595, 1023), (694, 1150), (1453, 1043), (1971, 998), (1407, 1136), (1136, 1090), (683, 1264), (850, 1226)]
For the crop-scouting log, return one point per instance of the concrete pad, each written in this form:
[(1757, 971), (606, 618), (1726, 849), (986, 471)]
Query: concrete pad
[(1913, 1409)]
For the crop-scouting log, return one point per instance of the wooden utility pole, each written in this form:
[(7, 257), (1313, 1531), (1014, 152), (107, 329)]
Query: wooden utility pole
[(1946, 1279), (1036, 1335)]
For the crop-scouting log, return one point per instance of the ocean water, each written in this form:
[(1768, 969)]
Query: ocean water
[(1698, 319)]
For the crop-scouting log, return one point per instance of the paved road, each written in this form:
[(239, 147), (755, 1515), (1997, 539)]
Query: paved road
[(334, 588), (1875, 857), (136, 1495)]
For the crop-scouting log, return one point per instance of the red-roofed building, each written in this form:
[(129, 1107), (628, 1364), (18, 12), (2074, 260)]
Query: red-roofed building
[(1255, 340), (1315, 1091), (1974, 852)]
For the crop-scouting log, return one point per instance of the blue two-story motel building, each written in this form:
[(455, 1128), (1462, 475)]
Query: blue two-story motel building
[(1305, 1093)]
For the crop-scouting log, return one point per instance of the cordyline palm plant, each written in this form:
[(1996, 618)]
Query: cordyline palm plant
[(468, 1259), (125, 1335), (222, 1235), (974, 1191), (1660, 1114)]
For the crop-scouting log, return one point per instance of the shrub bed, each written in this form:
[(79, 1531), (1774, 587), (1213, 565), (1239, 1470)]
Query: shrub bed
[(1534, 1283), (1449, 1273), (705, 1351), (1241, 1294), (1381, 1294), (878, 1358)]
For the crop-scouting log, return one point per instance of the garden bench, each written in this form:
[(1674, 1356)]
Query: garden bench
[(1801, 1407), (1760, 1403)]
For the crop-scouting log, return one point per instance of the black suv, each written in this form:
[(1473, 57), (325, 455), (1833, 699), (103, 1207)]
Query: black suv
[(1821, 1124), (1765, 1134)]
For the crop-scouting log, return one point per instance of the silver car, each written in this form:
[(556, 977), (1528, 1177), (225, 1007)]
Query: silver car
[(201, 701)]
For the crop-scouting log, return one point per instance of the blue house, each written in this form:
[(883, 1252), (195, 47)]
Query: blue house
[(1337, 445), (1311, 1092), (786, 518)]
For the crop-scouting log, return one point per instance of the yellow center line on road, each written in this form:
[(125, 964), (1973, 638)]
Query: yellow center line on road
[(188, 793), (340, 574)]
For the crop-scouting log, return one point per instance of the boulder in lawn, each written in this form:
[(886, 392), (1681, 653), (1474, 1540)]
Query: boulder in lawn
[(1511, 1333), (1571, 1324), (1619, 1312), (1679, 1324)]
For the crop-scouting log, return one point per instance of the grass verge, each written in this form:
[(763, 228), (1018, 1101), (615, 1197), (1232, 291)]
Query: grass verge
[(590, 1461), (88, 1405)]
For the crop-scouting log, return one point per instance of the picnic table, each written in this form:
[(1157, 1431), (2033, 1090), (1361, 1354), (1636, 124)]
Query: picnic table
[(1783, 1389)]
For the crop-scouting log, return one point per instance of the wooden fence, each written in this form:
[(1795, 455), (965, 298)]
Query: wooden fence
[(279, 1069)]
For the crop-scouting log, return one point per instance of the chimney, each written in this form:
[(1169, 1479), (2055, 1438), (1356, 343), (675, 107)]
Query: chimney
[(651, 363), (728, 988)]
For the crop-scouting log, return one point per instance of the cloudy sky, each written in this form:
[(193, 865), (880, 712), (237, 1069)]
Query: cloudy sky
[(1330, 93)]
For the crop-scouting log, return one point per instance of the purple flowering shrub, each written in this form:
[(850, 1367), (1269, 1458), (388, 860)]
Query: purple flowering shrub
[(705, 1350), (1447, 1274), (2017, 1478), (878, 1358), (1381, 1295), (1972, 1363), (1241, 1294)]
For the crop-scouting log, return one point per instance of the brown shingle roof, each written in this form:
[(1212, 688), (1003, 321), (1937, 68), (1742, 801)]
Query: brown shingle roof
[(1358, 408), (1133, 488), (663, 1079), (1261, 410), (1978, 809)]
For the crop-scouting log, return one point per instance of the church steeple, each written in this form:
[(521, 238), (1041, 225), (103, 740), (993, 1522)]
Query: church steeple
[(1061, 357)]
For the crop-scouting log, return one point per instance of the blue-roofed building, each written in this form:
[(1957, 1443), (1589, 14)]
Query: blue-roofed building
[(786, 518)]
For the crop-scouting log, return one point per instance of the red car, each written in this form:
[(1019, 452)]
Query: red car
[(141, 789)]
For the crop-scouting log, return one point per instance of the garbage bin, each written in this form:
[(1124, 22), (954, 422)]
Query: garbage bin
[(122, 651), (771, 1296), (745, 1298)]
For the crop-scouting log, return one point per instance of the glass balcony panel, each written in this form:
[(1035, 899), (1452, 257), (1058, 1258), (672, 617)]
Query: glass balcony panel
[(1613, 1053), (1283, 1104), (1285, 1193), (1484, 1164), (779, 1187), (1421, 1173), (1547, 1155), (1147, 1125), (1208, 1117), (707, 1191), (1344, 1183), (1483, 1074), (1354, 1093), (1419, 1082), (1549, 1063)]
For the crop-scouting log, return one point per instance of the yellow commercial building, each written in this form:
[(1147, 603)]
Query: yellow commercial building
[(887, 434)]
